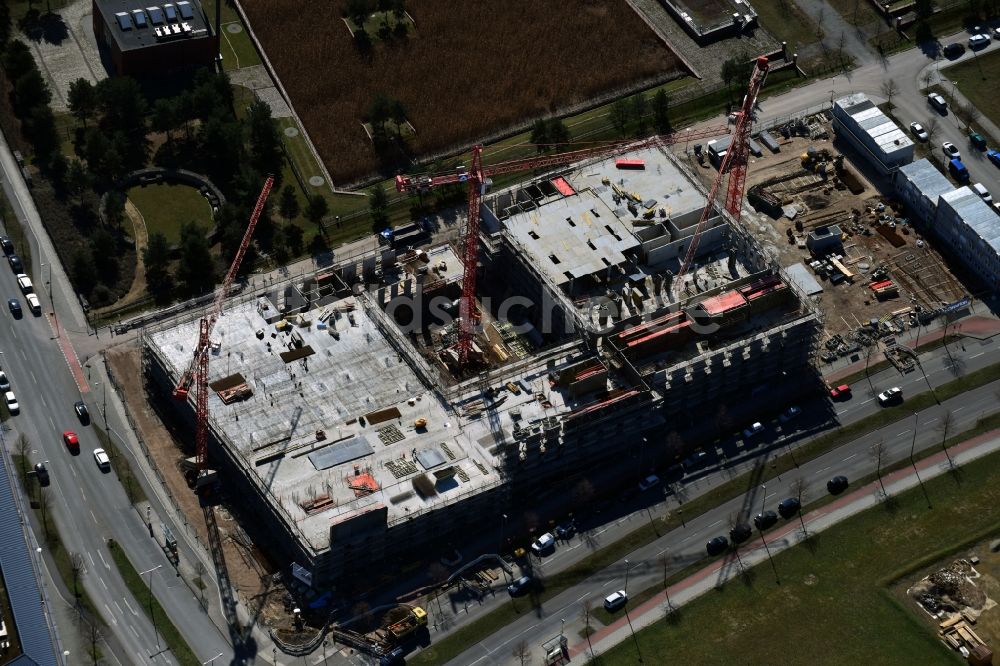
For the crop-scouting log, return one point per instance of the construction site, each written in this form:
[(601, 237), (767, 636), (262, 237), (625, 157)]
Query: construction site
[(394, 402)]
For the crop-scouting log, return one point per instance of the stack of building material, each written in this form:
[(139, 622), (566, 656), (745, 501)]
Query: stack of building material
[(956, 632)]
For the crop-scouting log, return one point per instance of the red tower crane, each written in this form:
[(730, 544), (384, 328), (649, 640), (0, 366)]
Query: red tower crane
[(734, 164), (198, 370), (477, 178)]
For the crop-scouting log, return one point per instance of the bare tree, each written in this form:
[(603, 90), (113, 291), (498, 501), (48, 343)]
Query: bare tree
[(968, 113), (877, 454), (870, 347), (521, 652), (95, 636), (799, 488), (925, 78), (23, 446), (664, 561), (946, 424), (932, 126), (44, 508), (732, 522), (76, 563), (586, 610), (890, 89)]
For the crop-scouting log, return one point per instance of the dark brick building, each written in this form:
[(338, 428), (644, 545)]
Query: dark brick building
[(143, 39)]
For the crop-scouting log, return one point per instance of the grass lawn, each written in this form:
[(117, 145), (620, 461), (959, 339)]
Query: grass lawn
[(167, 206), (833, 595), (453, 645), (788, 23), (151, 607), (237, 47), (969, 78), (856, 12)]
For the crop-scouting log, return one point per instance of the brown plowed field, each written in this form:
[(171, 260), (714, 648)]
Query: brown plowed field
[(469, 70)]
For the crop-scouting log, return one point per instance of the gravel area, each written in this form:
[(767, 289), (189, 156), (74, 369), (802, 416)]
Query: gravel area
[(256, 79), (74, 57)]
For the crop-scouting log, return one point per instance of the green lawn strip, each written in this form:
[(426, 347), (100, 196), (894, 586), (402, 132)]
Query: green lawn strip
[(151, 607), (856, 12), (834, 587), (122, 467), (787, 22), (52, 541), (968, 76), (457, 642), (16, 233), (235, 46), (167, 206)]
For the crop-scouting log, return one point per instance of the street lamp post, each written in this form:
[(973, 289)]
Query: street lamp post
[(503, 523), (211, 662), (152, 616)]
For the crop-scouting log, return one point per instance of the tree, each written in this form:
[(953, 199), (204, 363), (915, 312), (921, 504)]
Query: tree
[(586, 610), (398, 9), (640, 107), (196, 268), (558, 132), (288, 205), (730, 72), (265, 144), (95, 636), (732, 522), (890, 89), (317, 208), (661, 112), (82, 100), (39, 128), (114, 208), (17, 60), (23, 446), (540, 135), (377, 205), (620, 115), (877, 455), (947, 423), (358, 11), (293, 238), (521, 652), (30, 91), (156, 258), (923, 8), (871, 347), (970, 114), (799, 490), (5, 24), (76, 563), (923, 33), (84, 270), (379, 111), (104, 248), (165, 117), (397, 113), (931, 127), (44, 509), (363, 41)]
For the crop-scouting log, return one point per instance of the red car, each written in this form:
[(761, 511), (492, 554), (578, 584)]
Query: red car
[(842, 391), (72, 443)]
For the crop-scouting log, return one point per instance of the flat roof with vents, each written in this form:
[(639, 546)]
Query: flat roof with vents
[(135, 24)]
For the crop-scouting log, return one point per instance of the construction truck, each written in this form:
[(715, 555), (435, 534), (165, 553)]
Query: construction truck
[(393, 633), (383, 641)]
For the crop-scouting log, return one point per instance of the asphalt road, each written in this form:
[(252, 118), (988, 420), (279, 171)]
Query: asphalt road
[(686, 545), (89, 506)]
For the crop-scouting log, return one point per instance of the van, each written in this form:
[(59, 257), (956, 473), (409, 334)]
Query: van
[(983, 193), (958, 170), (937, 102)]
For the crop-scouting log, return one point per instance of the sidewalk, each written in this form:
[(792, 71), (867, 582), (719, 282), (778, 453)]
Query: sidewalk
[(785, 537)]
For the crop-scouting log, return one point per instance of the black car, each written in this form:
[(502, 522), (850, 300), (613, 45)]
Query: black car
[(696, 460), (81, 411), (7, 245), (15, 263), (566, 530), (740, 533), (789, 507), (837, 485), (765, 520), (42, 474), (717, 545), (520, 586), (15, 307), (953, 50)]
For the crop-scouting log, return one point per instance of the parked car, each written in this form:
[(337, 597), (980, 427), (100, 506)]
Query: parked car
[(12, 405), (993, 156), (4, 382), (979, 41), (936, 100), (717, 545), (765, 519), (789, 414), (755, 428), (566, 530), (7, 245), (33, 304), (697, 459), (543, 543), (996, 33), (102, 459), (952, 51), (42, 474), (15, 263), (889, 396), (840, 392), (649, 482), (71, 441), (24, 282), (82, 413), (951, 151), (740, 532), (918, 131), (520, 586), (615, 600), (837, 485), (977, 141), (15, 307), (788, 507)]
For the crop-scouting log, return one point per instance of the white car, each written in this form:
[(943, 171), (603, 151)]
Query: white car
[(754, 429), (919, 131), (4, 382), (789, 414), (890, 396), (951, 151), (24, 282), (615, 600), (996, 33), (937, 101), (649, 482), (12, 405), (102, 459), (33, 304), (978, 41), (543, 543)]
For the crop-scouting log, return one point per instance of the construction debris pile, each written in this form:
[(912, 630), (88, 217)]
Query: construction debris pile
[(951, 595)]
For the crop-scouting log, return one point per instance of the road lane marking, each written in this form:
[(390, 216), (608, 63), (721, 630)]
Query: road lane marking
[(849, 457), (977, 355), (23, 354), (822, 470), (903, 433), (92, 562), (134, 631), (130, 608), (119, 608), (958, 409), (74, 474), (931, 421), (106, 565), (770, 496), (52, 423), (714, 524), (103, 583), (84, 494), (32, 373), (93, 516), (111, 615)]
